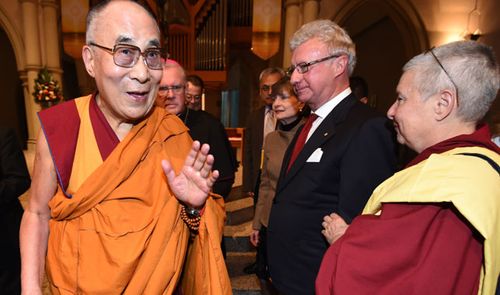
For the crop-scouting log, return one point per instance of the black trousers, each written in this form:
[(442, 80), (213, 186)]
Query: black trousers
[(10, 258), (262, 266)]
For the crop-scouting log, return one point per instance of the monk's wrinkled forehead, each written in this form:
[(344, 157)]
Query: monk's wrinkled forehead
[(125, 22)]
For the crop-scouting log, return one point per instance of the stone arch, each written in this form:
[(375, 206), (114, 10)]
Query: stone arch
[(403, 13), (387, 33), (14, 109), (15, 38), (26, 72)]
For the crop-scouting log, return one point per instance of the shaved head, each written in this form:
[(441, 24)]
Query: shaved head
[(96, 10)]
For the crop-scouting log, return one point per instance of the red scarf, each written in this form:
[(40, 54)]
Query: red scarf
[(480, 138)]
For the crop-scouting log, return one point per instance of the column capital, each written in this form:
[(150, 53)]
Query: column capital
[(23, 76), (55, 70), (291, 3), (310, 10), (52, 3), (29, 67)]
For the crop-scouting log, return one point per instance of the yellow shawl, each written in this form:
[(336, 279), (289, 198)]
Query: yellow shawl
[(470, 183)]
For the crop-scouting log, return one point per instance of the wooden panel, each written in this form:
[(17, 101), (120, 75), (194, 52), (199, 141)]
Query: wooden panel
[(236, 136)]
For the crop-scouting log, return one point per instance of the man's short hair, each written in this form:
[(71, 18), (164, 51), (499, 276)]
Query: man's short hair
[(471, 66), (271, 71), (172, 64), (97, 9), (196, 81), (336, 39)]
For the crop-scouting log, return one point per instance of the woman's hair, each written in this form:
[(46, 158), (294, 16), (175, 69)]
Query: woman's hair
[(284, 85), (281, 85)]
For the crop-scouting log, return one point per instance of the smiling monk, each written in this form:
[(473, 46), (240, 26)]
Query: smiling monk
[(121, 202)]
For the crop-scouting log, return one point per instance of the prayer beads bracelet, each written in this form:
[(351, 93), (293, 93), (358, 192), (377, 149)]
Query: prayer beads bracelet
[(191, 217)]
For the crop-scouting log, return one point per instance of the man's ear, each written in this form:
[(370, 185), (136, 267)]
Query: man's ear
[(89, 60), (444, 105), (341, 64)]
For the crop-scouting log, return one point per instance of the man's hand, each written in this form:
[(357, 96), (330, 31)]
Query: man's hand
[(196, 179), (254, 237), (333, 227)]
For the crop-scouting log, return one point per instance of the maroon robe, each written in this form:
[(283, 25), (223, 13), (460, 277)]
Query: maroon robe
[(61, 125), (409, 248)]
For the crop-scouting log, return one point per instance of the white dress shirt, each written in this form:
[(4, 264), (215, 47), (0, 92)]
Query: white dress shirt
[(325, 109)]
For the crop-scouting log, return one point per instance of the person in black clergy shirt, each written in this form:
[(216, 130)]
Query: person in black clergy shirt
[(202, 126), (348, 150), (194, 92), (14, 181)]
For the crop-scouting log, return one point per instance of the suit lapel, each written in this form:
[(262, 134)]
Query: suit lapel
[(322, 134), (286, 159)]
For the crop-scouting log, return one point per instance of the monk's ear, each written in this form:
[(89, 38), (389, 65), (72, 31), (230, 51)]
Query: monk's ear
[(444, 104), (89, 60)]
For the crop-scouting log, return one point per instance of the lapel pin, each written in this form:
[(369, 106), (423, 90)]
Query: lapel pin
[(326, 134)]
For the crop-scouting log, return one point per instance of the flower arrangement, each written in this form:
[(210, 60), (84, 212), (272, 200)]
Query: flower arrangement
[(47, 91)]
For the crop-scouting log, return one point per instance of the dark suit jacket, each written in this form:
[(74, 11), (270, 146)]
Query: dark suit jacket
[(358, 154), (207, 129), (14, 181), (252, 149)]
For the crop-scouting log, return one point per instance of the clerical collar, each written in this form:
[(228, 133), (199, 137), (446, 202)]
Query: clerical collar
[(184, 115)]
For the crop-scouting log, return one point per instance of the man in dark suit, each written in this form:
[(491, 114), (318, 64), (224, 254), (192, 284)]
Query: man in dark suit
[(259, 123), (14, 181), (202, 126), (348, 149)]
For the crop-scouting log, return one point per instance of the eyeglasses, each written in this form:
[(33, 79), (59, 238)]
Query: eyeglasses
[(163, 90), (303, 67), (444, 70), (266, 88), (191, 97), (126, 55)]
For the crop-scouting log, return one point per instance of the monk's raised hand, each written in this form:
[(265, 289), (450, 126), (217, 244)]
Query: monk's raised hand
[(196, 178)]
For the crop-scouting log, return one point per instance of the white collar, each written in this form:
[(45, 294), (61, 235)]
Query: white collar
[(325, 109)]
